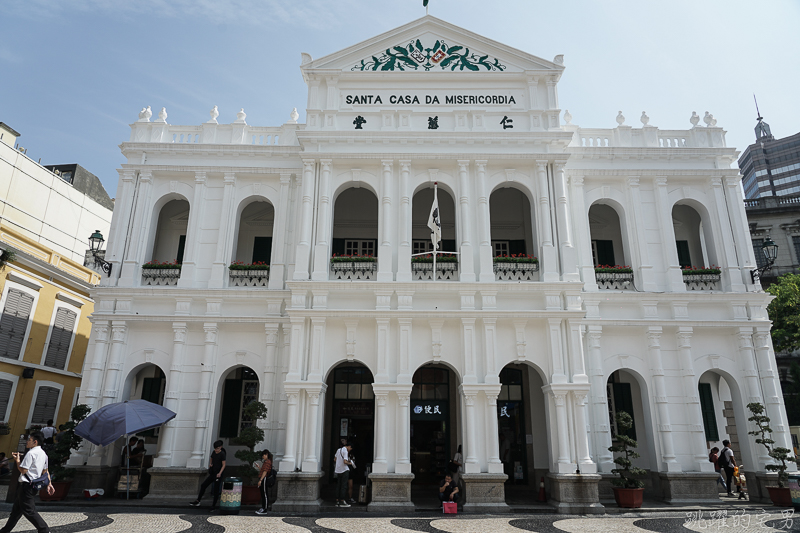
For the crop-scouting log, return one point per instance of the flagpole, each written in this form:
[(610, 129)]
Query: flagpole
[(435, 246)]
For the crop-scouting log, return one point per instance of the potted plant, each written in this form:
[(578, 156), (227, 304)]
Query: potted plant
[(58, 454), (628, 491), (780, 495), (249, 437)]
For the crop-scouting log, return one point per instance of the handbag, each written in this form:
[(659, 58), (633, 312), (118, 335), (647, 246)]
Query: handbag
[(449, 507), (40, 482), (272, 477), (452, 467)]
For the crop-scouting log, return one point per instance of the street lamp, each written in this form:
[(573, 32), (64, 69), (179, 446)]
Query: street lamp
[(96, 241), (770, 250)]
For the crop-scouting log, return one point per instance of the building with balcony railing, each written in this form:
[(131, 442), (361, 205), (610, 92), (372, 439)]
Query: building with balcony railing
[(590, 271)]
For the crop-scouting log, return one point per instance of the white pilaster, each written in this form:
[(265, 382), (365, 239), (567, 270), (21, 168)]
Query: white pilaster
[(303, 251), (471, 465), (601, 431), (668, 246), (172, 397), (485, 252), (292, 425), (403, 431), (311, 461), (726, 249), (380, 464), (548, 264), (404, 224), (197, 459), (196, 219), (277, 270), (386, 216), (691, 396), (670, 463), (492, 431), (637, 236), (134, 256), (322, 250), (752, 386), (569, 256), (466, 259), (585, 463), (219, 270)]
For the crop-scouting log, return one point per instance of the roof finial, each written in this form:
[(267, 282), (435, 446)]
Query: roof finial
[(763, 132), (425, 5)]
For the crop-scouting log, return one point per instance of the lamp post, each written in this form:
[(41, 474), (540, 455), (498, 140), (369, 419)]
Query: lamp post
[(96, 241), (770, 250)]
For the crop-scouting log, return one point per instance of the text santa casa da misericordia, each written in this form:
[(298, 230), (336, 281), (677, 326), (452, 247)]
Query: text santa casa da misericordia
[(431, 99)]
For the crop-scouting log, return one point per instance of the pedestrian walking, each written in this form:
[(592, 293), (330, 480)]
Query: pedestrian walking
[(48, 432), (216, 465), (263, 486), (714, 457), (458, 462), (727, 462), (33, 470), (342, 472)]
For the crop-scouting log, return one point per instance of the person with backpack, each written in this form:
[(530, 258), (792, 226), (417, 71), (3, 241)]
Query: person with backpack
[(713, 457), (342, 472), (266, 479), (727, 462)]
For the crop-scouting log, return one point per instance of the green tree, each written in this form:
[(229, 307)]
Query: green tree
[(784, 311), (249, 437), (58, 454), (626, 446), (763, 435)]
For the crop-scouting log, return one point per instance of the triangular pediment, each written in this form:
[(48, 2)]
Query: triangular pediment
[(430, 44)]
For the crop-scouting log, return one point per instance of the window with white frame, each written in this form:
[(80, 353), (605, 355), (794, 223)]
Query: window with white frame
[(359, 247), (61, 335), (422, 246), (500, 248), (14, 322), (45, 407)]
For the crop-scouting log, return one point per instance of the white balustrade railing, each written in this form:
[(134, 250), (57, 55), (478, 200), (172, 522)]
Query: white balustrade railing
[(619, 281), (354, 270), (702, 282), (516, 271), (249, 278), (161, 276), (444, 271), (157, 132), (648, 137)]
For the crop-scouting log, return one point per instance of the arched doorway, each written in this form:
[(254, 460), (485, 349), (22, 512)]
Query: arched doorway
[(627, 392), (693, 238), (147, 382), (169, 242), (434, 413), (239, 387), (355, 234), (254, 238), (511, 221), (350, 415)]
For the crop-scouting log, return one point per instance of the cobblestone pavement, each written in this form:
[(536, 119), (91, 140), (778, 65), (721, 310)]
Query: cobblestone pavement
[(195, 521)]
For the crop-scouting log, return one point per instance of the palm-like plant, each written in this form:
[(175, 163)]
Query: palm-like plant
[(626, 446)]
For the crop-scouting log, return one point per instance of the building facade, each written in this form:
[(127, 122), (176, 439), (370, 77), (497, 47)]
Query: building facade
[(770, 166), (347, 334), (44, 293)]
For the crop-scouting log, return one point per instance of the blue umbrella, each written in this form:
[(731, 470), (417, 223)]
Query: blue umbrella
[(111, 422)]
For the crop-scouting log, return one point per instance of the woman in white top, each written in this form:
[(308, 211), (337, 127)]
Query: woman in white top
[(458, 459)]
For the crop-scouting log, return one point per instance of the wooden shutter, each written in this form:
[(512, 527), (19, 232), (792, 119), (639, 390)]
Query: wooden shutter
[(181, 248), (14, 323), (262, 249), (5, 397), (45, 407), (605, 253), (707, 407), (60, 338), (231, 409), (684, 257), (623, 401)]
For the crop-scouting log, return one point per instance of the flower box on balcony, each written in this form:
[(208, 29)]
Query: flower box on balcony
[(446, 271), (248, 275), (353, 267), (515, 268), (613, 277), (155, 273), (698, 279)]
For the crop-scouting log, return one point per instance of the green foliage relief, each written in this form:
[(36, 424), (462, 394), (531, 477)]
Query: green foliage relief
[(452, 57)]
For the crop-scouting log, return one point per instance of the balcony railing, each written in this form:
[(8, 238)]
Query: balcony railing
[(702, 282), (619, 281), (161, 276), (249, 278), (359, 270), (444, 271), (516, 271)]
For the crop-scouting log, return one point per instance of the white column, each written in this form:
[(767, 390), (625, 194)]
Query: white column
[(492, 432), (637, 237), (723, 239), (578, 369), (322, 250), (317, 354), (406, 339), (312, 434), (736, 210), (172, 398), (196, 219), (118, 235), (471, 466), (752, 388), (547, 263), (292, 425), (668, 246), (277, 269), (383, 347), (111, 387), (403, 463), (585, 463), (91, 396), (670, 463), (555, 349), (564, 464), (569, 256), (583, 233), (770, 385), (134, 255), (490, 348), (485, 252), (601, 430), (219, 270), (404, 224), (270, 369), (694, 412), (303, 251), (468, 346), (380, 464), (296, 348), (386, 215), (197, 459), (466, 259)]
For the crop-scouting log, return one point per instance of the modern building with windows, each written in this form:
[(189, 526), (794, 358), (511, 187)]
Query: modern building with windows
[(564, 302), (45, 292), (770, 166)]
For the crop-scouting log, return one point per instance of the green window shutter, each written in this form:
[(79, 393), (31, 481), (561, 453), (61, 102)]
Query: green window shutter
[(684, 258), (45, 407), (151, 390), (5, 397), (60, 338), (231, 409), (605, 253), (623, 401), (516, 247), (707, 407), (181, 248), (14, 323), (262, 249)]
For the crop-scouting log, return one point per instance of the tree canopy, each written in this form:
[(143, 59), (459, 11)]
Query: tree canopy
[(784, 311)]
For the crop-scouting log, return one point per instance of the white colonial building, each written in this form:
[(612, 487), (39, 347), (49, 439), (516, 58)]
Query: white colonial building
[(523, 364)]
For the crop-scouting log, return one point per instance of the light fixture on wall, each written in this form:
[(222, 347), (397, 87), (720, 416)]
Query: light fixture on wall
[(770, 250), (96, 241)]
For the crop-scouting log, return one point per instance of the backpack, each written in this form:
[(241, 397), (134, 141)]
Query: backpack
[(722, 460), (272, 477)]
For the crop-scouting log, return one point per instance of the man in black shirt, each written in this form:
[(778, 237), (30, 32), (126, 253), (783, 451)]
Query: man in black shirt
[(448, 491), (216, 465)]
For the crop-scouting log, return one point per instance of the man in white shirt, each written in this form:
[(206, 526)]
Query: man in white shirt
[(48, 432), (342, 471), (33, 466)]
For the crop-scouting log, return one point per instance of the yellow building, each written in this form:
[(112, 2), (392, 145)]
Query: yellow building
[(44, 332)]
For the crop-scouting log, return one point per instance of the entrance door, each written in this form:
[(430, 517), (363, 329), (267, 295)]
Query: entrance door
[(511, 425), (430, 424), (353, 418)]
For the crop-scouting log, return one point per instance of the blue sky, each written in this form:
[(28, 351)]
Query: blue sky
[(75, 73)]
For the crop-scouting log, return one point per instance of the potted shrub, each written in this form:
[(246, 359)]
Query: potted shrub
[(58, 453), (249, 437), (780, 495), (628, 491)]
